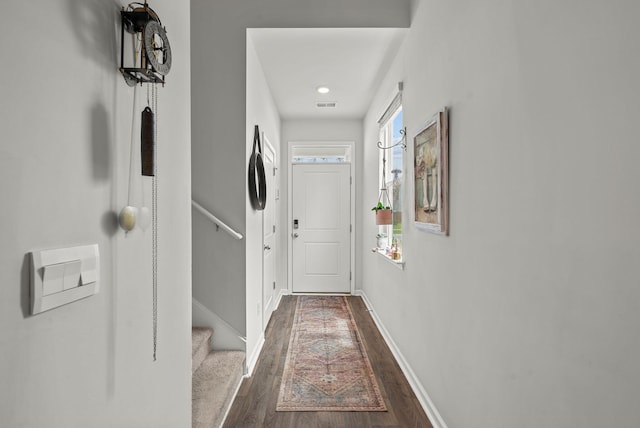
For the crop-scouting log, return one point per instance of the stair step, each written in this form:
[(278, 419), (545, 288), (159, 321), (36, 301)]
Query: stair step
[(200, 346), (214, 385)]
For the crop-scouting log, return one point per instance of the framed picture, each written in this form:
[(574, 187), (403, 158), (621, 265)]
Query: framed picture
[(431, 175)]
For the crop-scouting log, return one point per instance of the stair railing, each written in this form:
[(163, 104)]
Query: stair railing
[(219, 223)]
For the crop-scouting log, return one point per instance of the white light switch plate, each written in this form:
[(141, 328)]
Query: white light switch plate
[(63, 276)]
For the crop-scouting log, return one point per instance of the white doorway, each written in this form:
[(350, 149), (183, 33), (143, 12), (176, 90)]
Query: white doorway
[(321, 212), (269, 241)]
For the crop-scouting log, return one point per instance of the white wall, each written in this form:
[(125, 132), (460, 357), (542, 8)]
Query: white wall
[(220, 124), (527, 314), (320, 130), (64, 163), (261, 111), (218, 160)]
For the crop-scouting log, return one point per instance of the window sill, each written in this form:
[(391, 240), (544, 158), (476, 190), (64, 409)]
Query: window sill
[(397, 263)]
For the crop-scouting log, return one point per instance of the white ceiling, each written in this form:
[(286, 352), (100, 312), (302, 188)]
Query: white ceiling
[(350, 61)]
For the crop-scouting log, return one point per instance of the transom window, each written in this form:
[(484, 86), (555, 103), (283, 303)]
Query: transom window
[(321, 154)]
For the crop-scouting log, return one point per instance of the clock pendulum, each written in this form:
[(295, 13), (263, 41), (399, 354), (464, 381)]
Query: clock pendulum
[(129, 214)]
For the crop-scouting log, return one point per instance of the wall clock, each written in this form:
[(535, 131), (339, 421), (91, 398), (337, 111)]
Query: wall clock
[(154, 60), (151, 63)]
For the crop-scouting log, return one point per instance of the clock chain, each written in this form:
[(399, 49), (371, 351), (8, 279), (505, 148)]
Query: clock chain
[(154, 215)]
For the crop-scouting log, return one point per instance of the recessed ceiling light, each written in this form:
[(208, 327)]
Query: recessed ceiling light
[(322, 90)]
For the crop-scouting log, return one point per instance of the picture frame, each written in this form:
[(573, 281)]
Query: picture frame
[(431, 175)]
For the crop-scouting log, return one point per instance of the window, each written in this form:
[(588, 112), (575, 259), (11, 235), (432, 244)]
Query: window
[(318, 159), (321, 154), (391, 168)]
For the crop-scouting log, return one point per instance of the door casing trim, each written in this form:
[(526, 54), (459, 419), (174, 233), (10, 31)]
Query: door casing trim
[(274, 181), (352, 208)]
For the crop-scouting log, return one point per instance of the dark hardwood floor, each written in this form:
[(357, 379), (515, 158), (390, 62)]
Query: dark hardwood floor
[(255, 404)]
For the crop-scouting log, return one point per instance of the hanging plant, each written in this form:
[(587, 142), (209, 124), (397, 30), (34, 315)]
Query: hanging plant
[(384, 214), (380, 207)]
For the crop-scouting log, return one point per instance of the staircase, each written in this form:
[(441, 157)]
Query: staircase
[(216, 376)]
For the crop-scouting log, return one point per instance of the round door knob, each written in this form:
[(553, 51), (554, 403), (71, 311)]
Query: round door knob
[(266, 247), (295, 235)]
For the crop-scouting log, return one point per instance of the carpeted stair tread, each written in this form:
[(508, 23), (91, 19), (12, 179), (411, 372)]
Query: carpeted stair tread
[(200, 346), (214, 384)]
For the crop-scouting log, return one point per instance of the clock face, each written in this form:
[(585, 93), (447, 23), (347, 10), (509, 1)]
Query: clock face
[(156, 47)]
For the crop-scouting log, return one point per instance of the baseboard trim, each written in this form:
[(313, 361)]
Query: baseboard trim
[(282, 292), (252, 360), (225, 335), (416, 385)]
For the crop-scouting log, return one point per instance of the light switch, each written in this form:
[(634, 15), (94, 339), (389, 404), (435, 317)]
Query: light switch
[(63, 276), (71, 274), (53, 279)]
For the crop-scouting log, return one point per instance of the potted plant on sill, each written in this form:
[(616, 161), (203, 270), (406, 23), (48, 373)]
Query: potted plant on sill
[(384, 215)]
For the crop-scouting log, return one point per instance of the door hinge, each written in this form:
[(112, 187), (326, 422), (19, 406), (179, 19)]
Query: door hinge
[(349, 276), (350, 180), (274, 228), (274, 285), (350, 228), (274, 171)]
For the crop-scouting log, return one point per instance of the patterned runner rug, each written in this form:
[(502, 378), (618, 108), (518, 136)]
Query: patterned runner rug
[(327, 368)]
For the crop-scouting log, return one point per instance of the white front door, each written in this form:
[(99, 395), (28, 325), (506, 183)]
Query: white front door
[(321, 230), (269, 235)]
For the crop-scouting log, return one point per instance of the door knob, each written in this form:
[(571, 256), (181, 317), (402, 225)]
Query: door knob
[(295, 235), (266, 247)]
